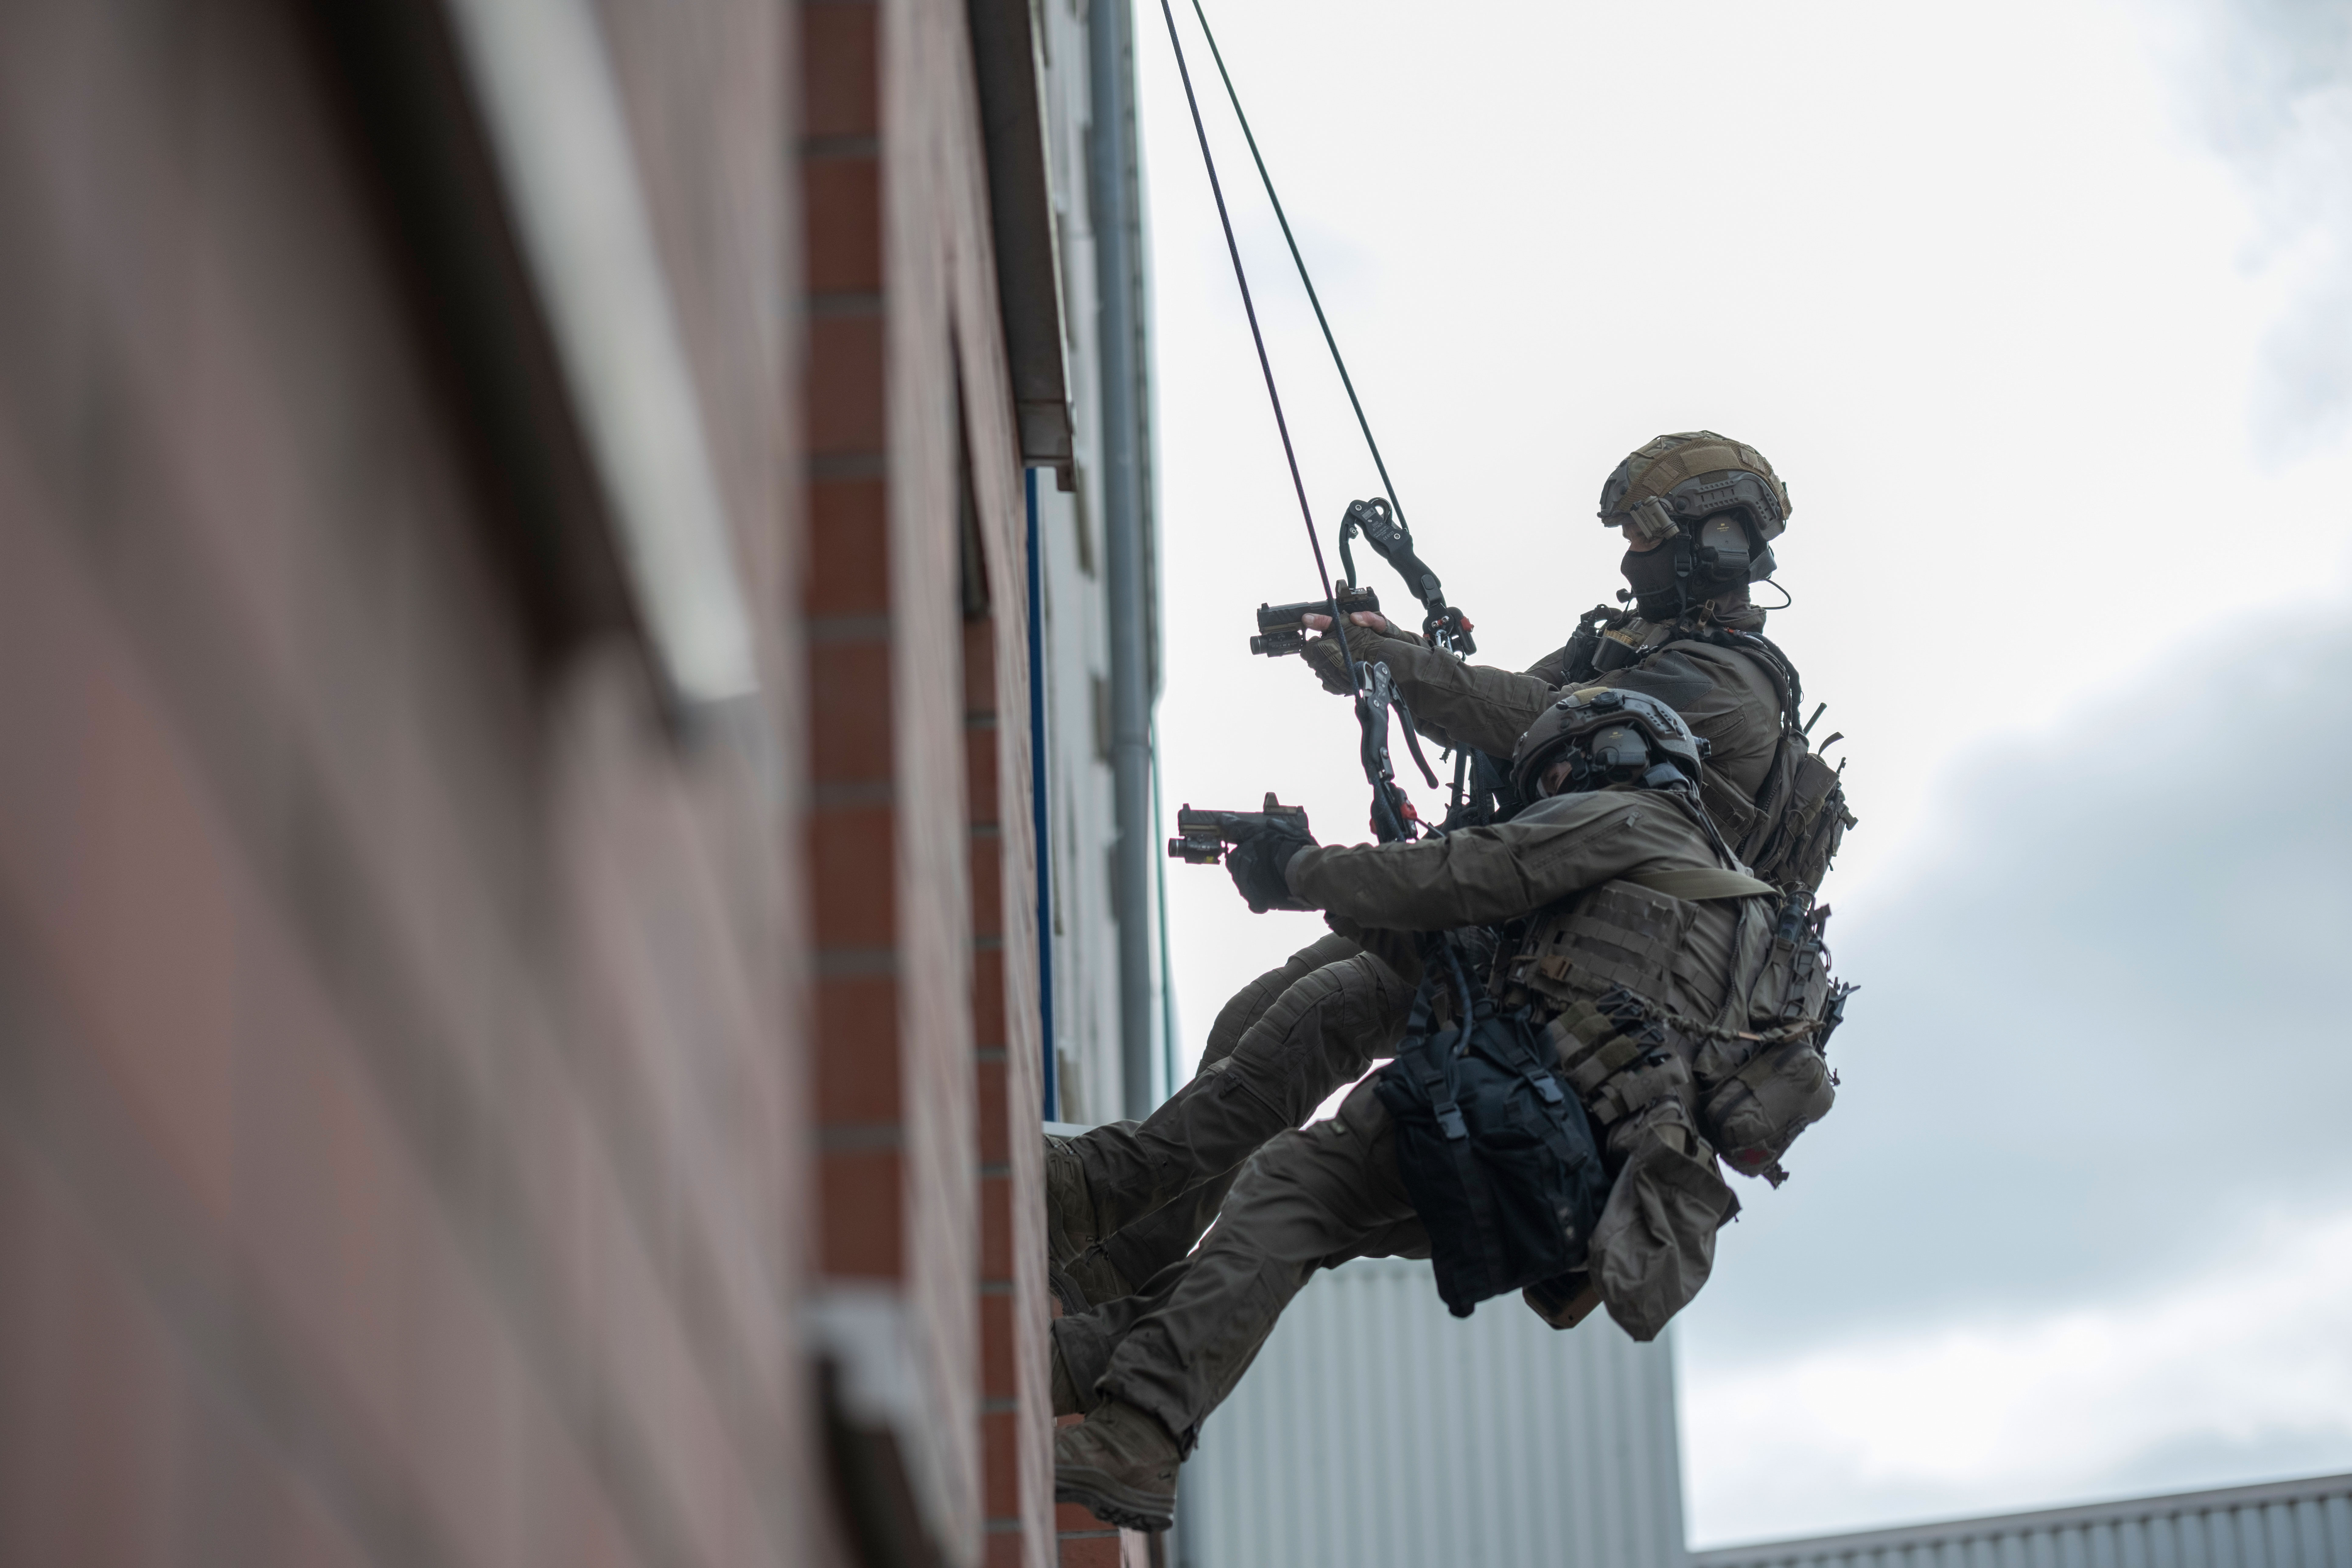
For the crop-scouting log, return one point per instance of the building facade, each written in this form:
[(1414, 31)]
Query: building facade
[(1375, 1430), (522, 1005), (1098, 596)]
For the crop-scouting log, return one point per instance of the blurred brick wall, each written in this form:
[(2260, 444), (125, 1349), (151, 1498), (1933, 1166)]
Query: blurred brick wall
[(414, 1146), (929, 1060), (402, 1144)]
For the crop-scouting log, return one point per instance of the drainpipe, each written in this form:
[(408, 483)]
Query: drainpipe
[(1114, 193)]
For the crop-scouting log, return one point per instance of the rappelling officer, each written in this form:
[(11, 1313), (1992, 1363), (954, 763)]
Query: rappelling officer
[(1650, 1007), (1699, 512)]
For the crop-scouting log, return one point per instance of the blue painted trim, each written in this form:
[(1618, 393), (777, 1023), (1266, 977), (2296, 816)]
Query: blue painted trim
[(1039, 816)]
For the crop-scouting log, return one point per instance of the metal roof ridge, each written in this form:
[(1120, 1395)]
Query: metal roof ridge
[(2148, 1505)]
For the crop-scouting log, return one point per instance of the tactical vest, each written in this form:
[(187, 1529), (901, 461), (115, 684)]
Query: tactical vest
[(1790, 830), (1689, 1012)]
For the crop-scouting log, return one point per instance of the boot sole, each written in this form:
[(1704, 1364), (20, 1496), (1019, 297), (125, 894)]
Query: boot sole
[(1112, 1503)]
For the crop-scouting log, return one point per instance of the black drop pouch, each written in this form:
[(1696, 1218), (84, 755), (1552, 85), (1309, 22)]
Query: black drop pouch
[(1496, 1153)]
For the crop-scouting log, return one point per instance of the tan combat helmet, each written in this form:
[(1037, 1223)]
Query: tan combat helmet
[(1718, 502), (1696, 474)]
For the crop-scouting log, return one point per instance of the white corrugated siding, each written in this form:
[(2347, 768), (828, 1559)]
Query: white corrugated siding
[(1376, 1431), (2284, 1524)]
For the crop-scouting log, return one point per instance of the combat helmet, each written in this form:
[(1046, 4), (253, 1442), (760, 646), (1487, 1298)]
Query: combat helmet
[(1716, 498), (1615, 736)]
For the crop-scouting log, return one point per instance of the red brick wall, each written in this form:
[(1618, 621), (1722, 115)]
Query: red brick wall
[(431, 1081), (402, 1120), (928, 1056)]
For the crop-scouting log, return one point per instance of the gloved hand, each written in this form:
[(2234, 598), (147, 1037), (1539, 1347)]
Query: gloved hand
[(1257, 865), (1366, 642)]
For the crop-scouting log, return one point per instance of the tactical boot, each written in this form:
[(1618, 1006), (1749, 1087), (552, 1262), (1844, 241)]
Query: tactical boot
[(1069, 1222), (1120, 1463)]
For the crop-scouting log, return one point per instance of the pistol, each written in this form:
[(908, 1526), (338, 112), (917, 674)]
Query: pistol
[(1279, 627), (1202, 835)]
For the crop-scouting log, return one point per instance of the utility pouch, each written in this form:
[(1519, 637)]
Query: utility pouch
[(1758, 1111), (1496, 1154), (1563, 1301), (1617, 649), (1798, 822), (1576, 659), (1736, 816), (1654, 1246), (1792, 982), (1817, 821)]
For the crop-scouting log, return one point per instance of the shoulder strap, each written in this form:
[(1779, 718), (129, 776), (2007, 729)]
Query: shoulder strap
[(1700, 882)]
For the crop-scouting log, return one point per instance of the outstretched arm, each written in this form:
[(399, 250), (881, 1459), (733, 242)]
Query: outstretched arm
[(1481, 876), (1453, 703)]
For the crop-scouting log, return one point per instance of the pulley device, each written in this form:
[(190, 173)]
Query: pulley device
[(1379, 522), (1383, 529)]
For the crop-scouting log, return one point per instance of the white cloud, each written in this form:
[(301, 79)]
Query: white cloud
[(2242, 1374), (2269, 84)]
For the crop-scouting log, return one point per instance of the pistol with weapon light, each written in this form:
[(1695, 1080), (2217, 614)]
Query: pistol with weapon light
[(1202, 835), (1282, 628)]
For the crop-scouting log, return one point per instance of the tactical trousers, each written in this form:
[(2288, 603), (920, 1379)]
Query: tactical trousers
[(1312, 1198), (1278, 1049)]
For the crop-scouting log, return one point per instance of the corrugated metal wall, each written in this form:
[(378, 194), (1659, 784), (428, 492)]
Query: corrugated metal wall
[(1375, 1431), (2284, 1524)]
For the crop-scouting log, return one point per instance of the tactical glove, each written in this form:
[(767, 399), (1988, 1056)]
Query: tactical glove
[(1322, 655), (1260, 862)]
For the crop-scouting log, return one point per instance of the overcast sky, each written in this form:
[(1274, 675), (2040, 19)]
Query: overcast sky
[(2044, 311)]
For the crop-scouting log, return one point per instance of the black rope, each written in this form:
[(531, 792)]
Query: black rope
[(1249, 309), (1381, 804), (1298, 260)]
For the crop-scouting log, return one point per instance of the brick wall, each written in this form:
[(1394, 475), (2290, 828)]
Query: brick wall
[(432, 1079), (917, 643), (401, 1144)]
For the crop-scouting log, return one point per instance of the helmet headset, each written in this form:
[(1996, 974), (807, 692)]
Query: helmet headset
[(1710, 509)]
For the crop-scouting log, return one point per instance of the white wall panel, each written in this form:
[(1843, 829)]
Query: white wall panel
[(1376, 1431)]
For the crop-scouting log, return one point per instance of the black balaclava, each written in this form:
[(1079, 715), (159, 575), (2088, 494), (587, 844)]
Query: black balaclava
[(1651, 574)]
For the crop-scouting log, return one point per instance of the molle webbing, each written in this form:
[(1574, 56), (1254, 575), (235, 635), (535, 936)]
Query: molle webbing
[(1620, 934)]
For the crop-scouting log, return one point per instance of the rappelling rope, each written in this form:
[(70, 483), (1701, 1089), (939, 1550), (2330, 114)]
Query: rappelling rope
[(1249, 307), (1298, 260), (1330, 342), (1382, 806)]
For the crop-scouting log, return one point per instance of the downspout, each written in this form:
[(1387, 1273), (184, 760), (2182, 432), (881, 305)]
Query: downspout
[(1115, 198), (1169, 1080)]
